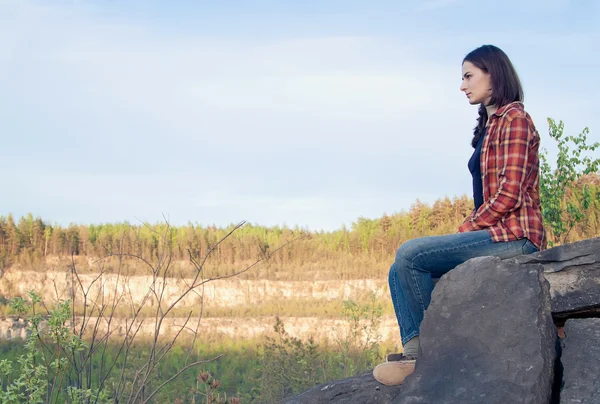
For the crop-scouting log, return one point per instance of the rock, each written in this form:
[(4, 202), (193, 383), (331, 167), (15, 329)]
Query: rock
[(360, 389), (573, 271), (581, 359), (13, 328), (487, 337)]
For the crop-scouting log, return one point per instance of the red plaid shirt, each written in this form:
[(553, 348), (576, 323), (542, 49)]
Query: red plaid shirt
[(510, 175)]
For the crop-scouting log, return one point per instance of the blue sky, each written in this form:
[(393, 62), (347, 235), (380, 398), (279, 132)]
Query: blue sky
[(276, 112)]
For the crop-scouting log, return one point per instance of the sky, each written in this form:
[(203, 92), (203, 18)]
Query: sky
[(295, 113)]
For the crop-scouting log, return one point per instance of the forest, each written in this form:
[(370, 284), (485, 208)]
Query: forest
[(295, 253)]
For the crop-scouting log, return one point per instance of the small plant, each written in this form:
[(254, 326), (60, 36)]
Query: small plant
[(207, 386), (359, 340), (66, 355), (560, 211), (46, 362), (290, 365)]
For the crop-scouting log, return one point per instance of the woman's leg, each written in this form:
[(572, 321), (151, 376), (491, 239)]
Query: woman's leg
[(419, 260)]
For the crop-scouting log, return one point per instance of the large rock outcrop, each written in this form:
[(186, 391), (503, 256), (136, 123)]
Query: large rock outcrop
[(359, 389), (573, 271), (488, 335), (581, 362), (487, 338)]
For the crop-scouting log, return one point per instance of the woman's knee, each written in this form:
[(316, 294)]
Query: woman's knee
[(409, 250)]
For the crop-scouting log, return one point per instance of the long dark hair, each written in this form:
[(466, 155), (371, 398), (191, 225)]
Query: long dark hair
[(506, 86)]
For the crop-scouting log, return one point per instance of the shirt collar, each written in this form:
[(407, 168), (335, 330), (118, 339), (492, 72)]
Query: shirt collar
[(508, 107)]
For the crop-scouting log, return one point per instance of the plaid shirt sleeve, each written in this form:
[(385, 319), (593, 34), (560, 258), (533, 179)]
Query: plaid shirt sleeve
[(512, 155)]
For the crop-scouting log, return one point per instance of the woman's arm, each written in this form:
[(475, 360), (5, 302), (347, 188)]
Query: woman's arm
[(512, 161)]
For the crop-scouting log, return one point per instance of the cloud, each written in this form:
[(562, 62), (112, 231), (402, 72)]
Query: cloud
[(269, 130), (314, 130), (325, 77), (119, 77)]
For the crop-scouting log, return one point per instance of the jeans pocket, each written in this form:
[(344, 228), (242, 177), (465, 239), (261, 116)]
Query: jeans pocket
[(529, 247)]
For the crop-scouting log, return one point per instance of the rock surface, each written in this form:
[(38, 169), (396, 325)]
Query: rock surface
[(360, 389), (581, 361), (487, 337), (462, 342), (573, 271)]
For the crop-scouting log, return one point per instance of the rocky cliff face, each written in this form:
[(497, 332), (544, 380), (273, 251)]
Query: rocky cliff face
[(54, 285), (220, 293)]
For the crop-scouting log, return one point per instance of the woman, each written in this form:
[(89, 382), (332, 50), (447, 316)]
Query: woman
[(506, 220)]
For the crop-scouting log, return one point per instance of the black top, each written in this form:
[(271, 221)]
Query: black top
[(475, 169)]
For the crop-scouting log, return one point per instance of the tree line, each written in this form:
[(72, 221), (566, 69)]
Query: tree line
[(30, 240)]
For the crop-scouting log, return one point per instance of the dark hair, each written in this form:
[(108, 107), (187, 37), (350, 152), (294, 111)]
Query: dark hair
[(506, 86)]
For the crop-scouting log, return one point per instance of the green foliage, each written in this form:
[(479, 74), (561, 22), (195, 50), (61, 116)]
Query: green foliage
[(84, 396), (35, 244), (55, 362), (241, 371), (59, 366), (239, 361), (290, 365), (207, 391), (358, 341), (270, 307), (355, 253), (558, 184), (41, 370)]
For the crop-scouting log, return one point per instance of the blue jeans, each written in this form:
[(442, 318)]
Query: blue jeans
[(419, 260)]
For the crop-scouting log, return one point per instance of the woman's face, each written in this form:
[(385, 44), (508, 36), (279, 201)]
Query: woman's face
[(476, 84)]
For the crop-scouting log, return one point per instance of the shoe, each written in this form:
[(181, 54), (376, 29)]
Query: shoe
[(394, 357), (395, 369)]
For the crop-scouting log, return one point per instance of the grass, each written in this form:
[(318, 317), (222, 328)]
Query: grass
[(276, 307), (360, 267)]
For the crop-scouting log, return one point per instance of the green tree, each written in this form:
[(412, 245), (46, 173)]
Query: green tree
[(561, 212)]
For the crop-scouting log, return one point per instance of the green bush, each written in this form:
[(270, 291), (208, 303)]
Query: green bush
[(558, 185), (290, 366)]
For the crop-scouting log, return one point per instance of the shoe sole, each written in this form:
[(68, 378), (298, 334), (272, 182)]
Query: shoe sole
[(393, 373)]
